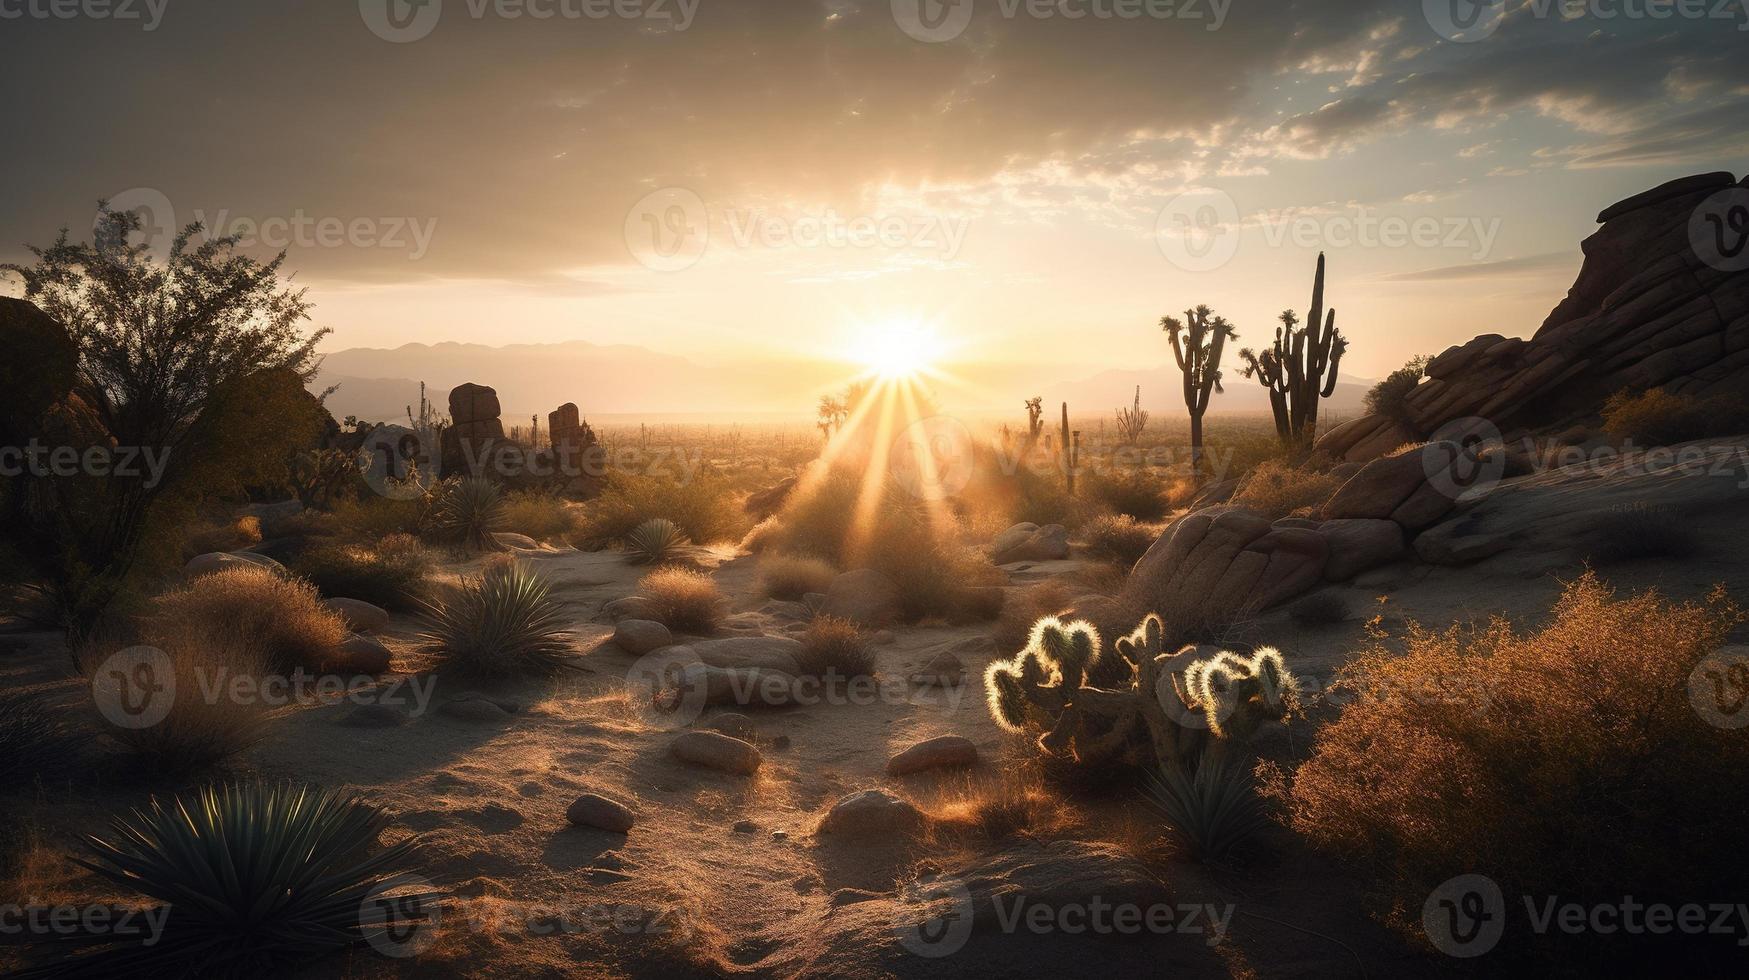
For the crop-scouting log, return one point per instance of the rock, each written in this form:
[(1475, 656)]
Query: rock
[(734, 725), (1030, 542), (863, 596), (360, 654), (885, 637), (744, 827), (38, 372), (473, 403), (941, 752), (632, 606), (872, 813), (260, 561), (358, 615), (1357, 545), (1199, 569), (764, 503), (640, 636), (785, 609), (766, 652), (1384, 485), (374, 716), (1215, 494), (601, 813), (713, 750), (515, 542), (218, 561), (746, 686), (943, 669), (475, 708)]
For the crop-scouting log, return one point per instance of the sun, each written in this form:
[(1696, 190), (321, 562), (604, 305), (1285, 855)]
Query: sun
[(896, 348)]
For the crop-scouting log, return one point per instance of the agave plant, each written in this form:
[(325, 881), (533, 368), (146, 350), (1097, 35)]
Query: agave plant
[(654, 541), (471, 510), (254, 878), (1212, 811), (504, 622)]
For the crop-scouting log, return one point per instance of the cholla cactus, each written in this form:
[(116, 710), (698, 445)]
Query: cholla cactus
[(1236, 695)]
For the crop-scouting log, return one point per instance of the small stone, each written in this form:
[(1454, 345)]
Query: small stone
[(779, 835), (941, 752), (640, 636), (360, 654), (871, 812), (744, 827), (716, 751), (600, 812)]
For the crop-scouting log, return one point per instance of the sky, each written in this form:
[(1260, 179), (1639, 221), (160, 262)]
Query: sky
[(741, 182)]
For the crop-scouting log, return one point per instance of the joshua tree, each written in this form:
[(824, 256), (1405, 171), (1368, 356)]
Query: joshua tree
[(833, 412), (1035, 420), (1131, 421), (1197, 342), (1300, 367)]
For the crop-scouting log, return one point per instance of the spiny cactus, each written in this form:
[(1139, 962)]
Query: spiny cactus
[(1197, 342), (1131, 421), (1236, 695), (1300, 367)]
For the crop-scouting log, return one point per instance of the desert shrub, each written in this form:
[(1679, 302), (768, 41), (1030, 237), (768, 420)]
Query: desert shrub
[(504, 623), (1659, 418), (256, 879), (470, 511), (703, 507), (233, 536), (791, 576), (541, 516), (1023, 607), (200, 729), (1134, 491), (1211, 811), (281, 619), (1320, 609), (1043, 498), (31, 738), (1643, 531), (654, 542), (1020, 805), (392, 574), (372, 517), (1387, 398), (1277, 488), (835, 648), (682, 599), (1580, 738), (1119, 538)]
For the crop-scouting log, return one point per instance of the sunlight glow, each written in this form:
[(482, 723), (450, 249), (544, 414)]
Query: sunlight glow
[(897, 348)]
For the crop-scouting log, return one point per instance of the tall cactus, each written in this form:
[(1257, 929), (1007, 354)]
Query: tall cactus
[(1197, 342), (1300, 368)]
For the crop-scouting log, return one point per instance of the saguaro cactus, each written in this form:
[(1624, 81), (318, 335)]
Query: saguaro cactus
[(1300, 368), (1197, 342)]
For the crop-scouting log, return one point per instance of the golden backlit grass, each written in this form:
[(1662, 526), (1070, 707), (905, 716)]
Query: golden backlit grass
[(793, 576), (1277, 488), (682, 599), (278, 620), (835, 648)]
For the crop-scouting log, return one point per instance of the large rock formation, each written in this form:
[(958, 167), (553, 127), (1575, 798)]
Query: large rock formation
[(1654, 306), (474, 427)]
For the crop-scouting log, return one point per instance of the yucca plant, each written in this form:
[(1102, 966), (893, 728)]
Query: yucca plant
[(471, 510), (1212, 811), (505, 622), (654, 541), (254, 878)]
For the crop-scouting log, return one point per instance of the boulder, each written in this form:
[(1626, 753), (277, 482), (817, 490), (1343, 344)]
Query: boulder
[(703, 684), (38, 372), (601, 813), (473, 403), (359, 654), (358, 615), (632, 606), (864, 596), (734, 725), (1200, 567), (218, 561), (778, 653), (1386, 484), (941, 752), (713, 750), (515, 542), (1030, 542), (1359, 544), (640, 636), (872, 813)]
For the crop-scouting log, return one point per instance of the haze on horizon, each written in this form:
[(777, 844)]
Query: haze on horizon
[(1016, 187)]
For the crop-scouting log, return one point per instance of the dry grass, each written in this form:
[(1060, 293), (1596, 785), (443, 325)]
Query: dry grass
[(392, 574), (1279, 489), (541, 516), (1016, 806), (704, 507), (682, 599), (1138, 492), (1120, 538), (280, 621), (234, 536), (836, 649), (209, 722), (792, 576), (1580, 737), (1659, 418)]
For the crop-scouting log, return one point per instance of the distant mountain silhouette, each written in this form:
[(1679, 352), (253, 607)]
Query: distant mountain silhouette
[(1162, 393)]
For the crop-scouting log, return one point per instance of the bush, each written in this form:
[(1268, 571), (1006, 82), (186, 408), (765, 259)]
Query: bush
[(703, 507), (1579, 739), (1213, 811), (371, 518), (1387, 398), (541, 516), (1659, 418), (504, 623), (654, 542), (1119, 539), (683, 600), (1320, 609), (280, 620), (235, 536), (199, 731), (392, 574), (836, 649), (791, 577), (255, 880), (1137, 492), (1016, 806), (470, 511), (1643, 531), (1276, 489)]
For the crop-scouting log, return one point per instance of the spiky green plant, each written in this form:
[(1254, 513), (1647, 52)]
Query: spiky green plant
[(1237, 695), (1007, 698), (505, 622), (471, 510), (1071, 648), (254, 878), (1300, 367), (1214, 810), (654, 541)]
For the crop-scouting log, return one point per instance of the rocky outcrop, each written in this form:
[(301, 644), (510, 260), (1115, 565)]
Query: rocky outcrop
[(1655, 305), (474, 427), (1030, 542)]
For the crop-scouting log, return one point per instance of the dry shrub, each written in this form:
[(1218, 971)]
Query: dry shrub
[(372, 517), (1569, 761), (207, 724), (704, 507), (242, 533), (1659, 418), (392, 574), (1016, 806), (1277, 488), (1024, 607), (1134, 491), (279, 620), (835, 648), (792, 576), (682, 599), (1120, 538), (541, 516)]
